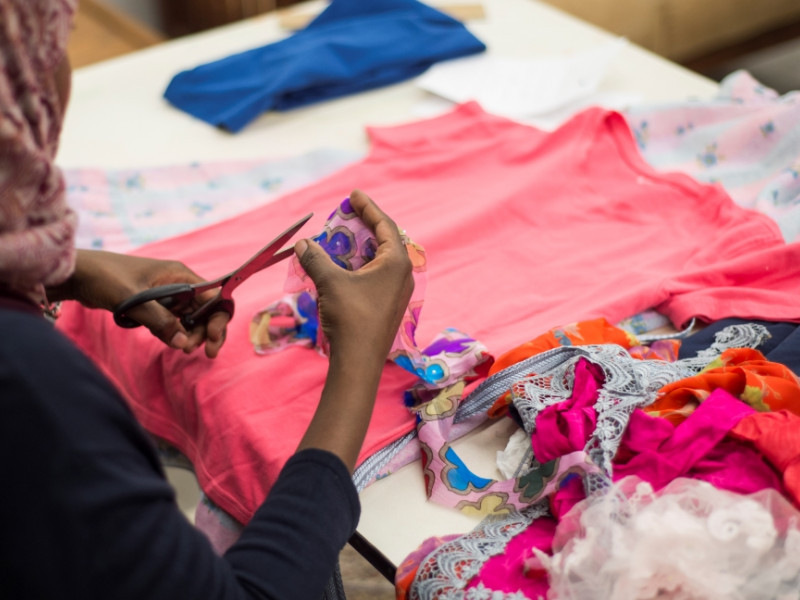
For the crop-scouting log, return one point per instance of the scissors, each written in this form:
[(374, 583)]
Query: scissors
[(176, 296)]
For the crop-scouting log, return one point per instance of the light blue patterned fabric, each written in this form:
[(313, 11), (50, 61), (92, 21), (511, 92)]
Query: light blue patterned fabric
[(747, 139)]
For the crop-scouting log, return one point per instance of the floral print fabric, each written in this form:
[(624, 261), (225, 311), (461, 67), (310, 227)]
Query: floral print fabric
[(122, 209), (745, 373), (450, 482), (595, 331), (451, 357), (745, 139)]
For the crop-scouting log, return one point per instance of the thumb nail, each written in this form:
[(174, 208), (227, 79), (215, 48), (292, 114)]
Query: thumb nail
[(178, 340), (300, 248)]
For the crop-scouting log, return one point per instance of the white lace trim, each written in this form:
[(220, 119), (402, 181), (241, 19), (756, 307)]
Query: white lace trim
[(722, 545)]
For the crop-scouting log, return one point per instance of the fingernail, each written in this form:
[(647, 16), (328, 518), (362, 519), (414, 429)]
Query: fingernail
[(300, 247), (178, 340)]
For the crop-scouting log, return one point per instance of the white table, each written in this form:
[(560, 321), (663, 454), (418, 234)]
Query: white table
[(117, 118)]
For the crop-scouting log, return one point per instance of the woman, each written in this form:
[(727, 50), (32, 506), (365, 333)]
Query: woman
[(86, 511)]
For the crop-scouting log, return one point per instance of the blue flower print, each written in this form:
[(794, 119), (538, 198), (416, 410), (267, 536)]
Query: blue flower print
[(309, 322), (271, 184), (431, 372), (641, 133), (710, 157), (339, 246), (459, 477), (199, 209), (369, 250), (135, 182)]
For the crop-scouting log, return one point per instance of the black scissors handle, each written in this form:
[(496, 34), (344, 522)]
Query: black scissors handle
[(202, 314), (173, 295), (169, 296), (177, 296)]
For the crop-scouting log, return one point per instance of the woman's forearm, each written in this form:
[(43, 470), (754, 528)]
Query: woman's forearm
[(341, 420)]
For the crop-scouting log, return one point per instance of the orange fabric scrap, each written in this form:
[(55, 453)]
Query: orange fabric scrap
[(775, 435), (583, 333), (743, 372)]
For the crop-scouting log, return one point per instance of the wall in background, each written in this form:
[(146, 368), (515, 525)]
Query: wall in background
[(146, 11), (180, 17)]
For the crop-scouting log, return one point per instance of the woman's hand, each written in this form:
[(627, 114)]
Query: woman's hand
[(360, 312), (104, 279)]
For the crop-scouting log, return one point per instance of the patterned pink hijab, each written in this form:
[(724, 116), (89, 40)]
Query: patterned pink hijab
[(36, 225)]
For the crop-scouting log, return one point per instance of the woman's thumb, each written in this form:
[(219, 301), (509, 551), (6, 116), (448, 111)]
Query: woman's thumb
[(314, 260)]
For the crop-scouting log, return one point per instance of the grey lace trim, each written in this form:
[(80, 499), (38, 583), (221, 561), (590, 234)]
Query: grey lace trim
[(629, 383), (369, 469), (478, 402), (481, 592), (746, 335), (447, 570)]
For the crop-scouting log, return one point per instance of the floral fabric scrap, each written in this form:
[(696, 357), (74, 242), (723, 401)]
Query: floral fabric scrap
[(743, 372), (294, 319), (582, 333), (744, 139), (450, 482)]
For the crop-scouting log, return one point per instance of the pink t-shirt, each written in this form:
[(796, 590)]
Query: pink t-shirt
[(523, 230)]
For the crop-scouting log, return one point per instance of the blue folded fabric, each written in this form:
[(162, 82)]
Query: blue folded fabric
[(354, 45)]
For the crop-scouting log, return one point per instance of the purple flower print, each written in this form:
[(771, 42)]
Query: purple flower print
[(338, 245)]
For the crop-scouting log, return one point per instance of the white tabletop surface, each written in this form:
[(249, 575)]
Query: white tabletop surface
[(118, 118)]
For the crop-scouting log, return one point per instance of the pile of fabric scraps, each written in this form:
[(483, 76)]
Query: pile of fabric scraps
[(699, 454)]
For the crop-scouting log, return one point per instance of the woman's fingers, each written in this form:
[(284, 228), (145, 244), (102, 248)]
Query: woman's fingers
[(384, 228), (162, 324), (215, 333), (315, 261), (362, 308)]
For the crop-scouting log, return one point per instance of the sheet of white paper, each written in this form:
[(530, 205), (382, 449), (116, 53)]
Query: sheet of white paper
[(521, 87), (433, 106), (612, 101)]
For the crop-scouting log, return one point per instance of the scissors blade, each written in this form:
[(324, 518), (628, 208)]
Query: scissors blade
[(262, 259)]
